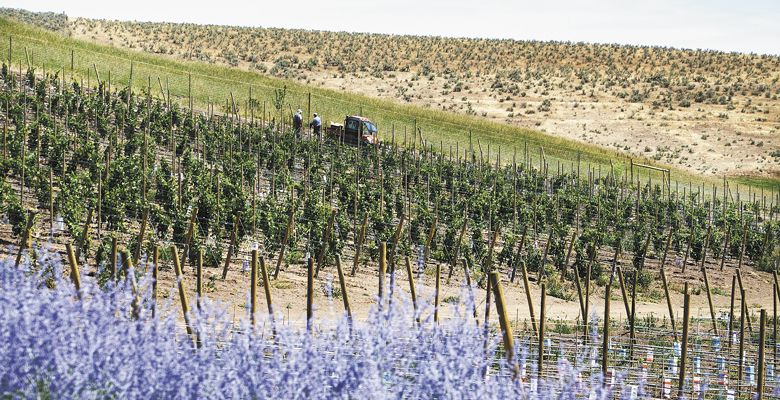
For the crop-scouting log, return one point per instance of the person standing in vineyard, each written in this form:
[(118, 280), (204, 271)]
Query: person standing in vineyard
[(316, 124), (298, 122)]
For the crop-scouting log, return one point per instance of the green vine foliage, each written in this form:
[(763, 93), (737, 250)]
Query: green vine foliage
[(238, 171)]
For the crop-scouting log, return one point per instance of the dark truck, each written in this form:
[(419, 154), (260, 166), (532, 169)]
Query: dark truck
[(354, 130)]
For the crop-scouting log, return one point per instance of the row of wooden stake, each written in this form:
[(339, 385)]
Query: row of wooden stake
[(494, 289)]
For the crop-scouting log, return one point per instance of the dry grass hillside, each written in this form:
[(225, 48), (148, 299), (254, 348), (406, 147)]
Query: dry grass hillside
[(707, 112)]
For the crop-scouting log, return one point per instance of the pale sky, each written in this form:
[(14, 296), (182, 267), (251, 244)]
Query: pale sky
[(744, 26)]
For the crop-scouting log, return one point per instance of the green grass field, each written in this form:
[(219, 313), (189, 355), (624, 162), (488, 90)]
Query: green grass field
[(50, 51)]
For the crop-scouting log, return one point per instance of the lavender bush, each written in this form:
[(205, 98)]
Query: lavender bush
[(55, 345)]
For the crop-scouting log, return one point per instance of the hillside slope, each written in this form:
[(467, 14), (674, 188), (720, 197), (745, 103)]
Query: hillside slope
[(702, 111), (214, 86)]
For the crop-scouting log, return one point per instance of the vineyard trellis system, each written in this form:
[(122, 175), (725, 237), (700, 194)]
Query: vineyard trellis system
[(107, 166)]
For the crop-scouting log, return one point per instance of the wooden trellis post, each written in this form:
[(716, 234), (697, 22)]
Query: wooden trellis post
[(743, 311), (437, 294), (605, 339), (231, 247), (185, 308), (25, 242), (82, 243), (744, 243), (709, 300), (188, 240), (725, 248), (503, 320), (456, 251), (309, 294), (578, 285), (668, 302), (684, 353), (741, 288), (287, 233), (141, 234), (382, 271), (199, 279), (429, 239), (527, 288), (266, 285), (632, 316), (412, 291), (761, 356), (541, 273), (396, 238), (253, 289), (623, 292), (343, 285), (518, 255), (359, 246), (687, 250), (155, 273), (75, 276), (568, 253), (325, 242), (114, 252), (540, 366), (731, 312)]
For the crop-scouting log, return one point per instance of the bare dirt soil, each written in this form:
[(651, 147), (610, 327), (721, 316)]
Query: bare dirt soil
[(289, 289), (289, 293)]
